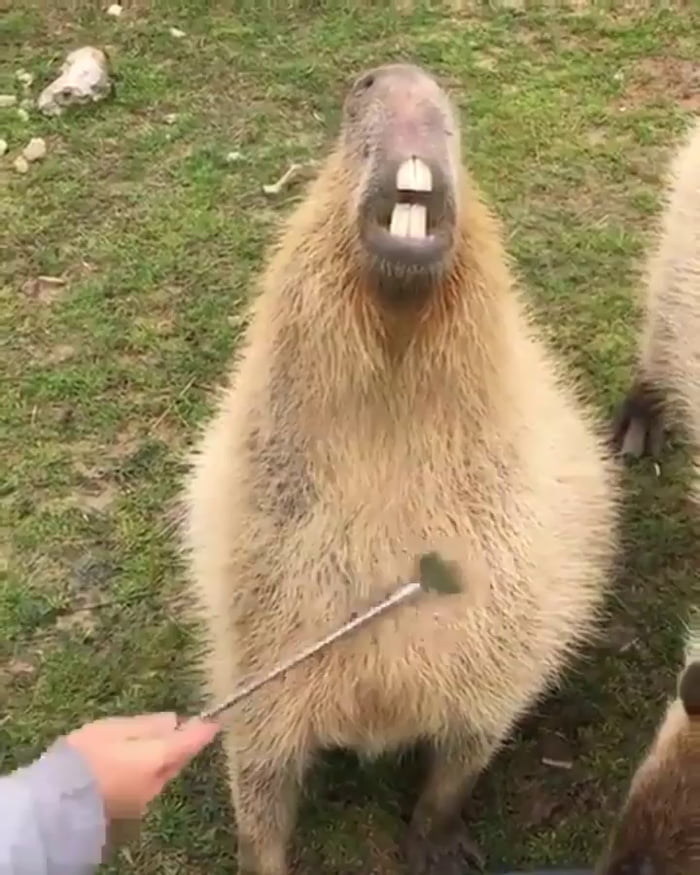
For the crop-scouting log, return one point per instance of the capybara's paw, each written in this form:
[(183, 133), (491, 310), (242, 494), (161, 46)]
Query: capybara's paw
[(638, 427)]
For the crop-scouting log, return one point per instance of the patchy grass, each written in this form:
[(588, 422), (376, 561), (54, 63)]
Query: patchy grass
[(569, 118)]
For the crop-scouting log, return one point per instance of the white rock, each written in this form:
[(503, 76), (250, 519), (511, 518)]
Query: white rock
[(232, 157), (115, 10), (21, 164), (35, 150), (7, 100), (177, 33), (25, 78), (84, 78), (3, 147), (170, 118)]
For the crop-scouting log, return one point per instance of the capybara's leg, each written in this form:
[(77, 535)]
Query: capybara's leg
[(638, 428), (265, 794), (438, 841)]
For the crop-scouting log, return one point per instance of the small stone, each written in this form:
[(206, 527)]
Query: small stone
[(84, 78), (7, 100), (115, 10), (177, 33), (25, 78), (35, 150), (170, 118), (21, 164), (3, 147), (232, 157)]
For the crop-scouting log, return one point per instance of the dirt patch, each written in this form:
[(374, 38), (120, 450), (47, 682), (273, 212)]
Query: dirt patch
[(60, 354), (80, 623), (540, 804), (44, 289), (17, 668), (96, 497), (655, 80), (381, 849)]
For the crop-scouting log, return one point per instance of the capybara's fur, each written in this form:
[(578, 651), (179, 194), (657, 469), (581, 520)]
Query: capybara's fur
[(666, 388), (389, 396), (658, 831)]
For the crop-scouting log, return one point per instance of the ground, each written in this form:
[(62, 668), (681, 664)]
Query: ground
[(158, 236)]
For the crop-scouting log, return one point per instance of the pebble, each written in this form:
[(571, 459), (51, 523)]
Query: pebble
[(84, 78), (35, 150), (232, 157), (115, 10), (170, 118), (7, 100), (21, 164), (25, 78), (177, 33), (3, 147)]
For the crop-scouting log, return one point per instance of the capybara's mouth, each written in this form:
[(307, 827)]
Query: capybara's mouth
[(408, 219)]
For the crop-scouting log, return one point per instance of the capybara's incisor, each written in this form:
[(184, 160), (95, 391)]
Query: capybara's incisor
[(658, 831), (390, 396), (666, 388)]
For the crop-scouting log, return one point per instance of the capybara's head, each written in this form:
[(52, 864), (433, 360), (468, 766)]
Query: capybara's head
[(400, 140), (658, 832)]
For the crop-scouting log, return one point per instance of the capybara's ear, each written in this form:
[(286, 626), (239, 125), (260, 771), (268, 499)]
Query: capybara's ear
[(689, 689)]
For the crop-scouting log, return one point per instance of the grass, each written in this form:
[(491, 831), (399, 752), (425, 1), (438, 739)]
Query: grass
[(568, 116)]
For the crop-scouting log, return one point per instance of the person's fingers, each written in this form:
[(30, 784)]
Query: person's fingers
[(190, 738), (169, 753), (140, 725)]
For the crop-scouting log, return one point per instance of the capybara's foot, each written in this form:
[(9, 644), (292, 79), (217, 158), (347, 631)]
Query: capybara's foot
[(638, 427)]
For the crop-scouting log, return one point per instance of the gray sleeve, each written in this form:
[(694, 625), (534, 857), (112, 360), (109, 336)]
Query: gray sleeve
[(52, 818)]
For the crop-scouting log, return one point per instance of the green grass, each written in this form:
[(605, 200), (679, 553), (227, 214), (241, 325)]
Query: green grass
[(568, 119)]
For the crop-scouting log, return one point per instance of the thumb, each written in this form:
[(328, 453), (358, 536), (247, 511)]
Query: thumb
[(181, 745), (162, 758)]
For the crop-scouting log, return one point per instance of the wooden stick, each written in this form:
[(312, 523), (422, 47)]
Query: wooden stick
[(436, 575), (401, 595)]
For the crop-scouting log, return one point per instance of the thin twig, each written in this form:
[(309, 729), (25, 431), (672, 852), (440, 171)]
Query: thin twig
[(401, 595)]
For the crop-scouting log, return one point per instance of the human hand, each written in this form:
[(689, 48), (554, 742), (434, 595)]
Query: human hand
[(133, 758)]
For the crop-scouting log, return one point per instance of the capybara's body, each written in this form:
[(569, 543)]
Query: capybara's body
[(658, 831), (390, 396), (667, 384)]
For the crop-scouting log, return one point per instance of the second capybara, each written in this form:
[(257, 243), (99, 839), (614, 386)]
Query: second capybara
[(666, 387), (658, 831)]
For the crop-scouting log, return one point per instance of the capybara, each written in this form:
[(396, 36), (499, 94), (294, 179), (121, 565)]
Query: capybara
[(391, 394)]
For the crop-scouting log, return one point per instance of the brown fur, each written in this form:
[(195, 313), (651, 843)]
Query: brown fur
[(666, 389), (351, 435), (658, 832)]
